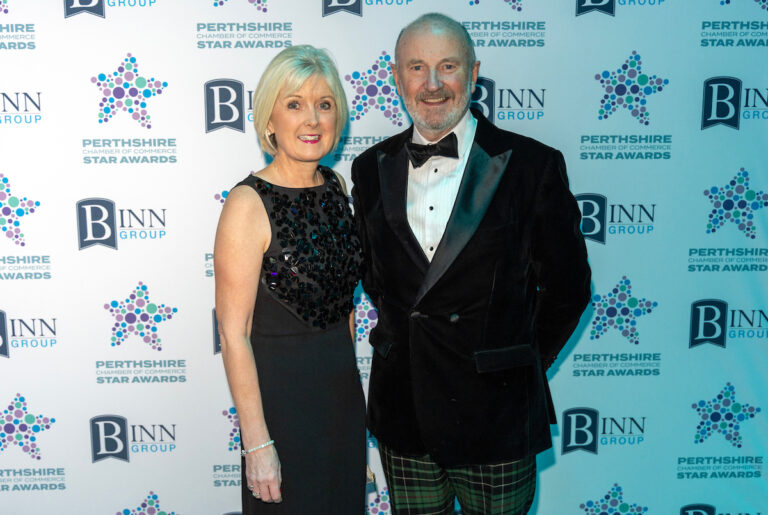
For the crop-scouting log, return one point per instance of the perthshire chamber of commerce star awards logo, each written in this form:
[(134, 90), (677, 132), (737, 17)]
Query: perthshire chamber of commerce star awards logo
[(619, 310), (234, 432), (374, 90), (12, 209), (516, 5), (612, 503), (628, 87), (150, 505), (20, 428), (724, 415), (735, 202), (260, 5), (125, 90), (138, 315)]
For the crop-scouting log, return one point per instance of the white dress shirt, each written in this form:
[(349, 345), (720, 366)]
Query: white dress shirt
[(432, 187)]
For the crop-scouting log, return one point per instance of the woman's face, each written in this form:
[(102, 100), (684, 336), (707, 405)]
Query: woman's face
[(304, 121)]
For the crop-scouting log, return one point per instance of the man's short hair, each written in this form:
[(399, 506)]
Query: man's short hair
[(441, 22), (288, 72)]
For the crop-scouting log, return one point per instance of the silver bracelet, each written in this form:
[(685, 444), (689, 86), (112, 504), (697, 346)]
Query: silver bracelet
[(243, 452)]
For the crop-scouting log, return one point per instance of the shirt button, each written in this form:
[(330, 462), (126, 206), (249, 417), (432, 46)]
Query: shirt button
[(431, 248), (435, 170), (431, 208)]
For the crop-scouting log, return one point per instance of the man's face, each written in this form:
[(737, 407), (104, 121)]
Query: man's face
[(434, 79)]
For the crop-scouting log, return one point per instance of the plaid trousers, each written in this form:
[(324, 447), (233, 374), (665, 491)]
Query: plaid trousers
[(419, 486)]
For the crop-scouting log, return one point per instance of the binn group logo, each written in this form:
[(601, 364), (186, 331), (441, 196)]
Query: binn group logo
[(726, 102), (260, 5), (150, 505), (619, 310), (723, 415), (126, 90), (225, 105), (735, 202), (584, 430), (138, 315), (612, 502), (13, 208), (20, 107), (601, 6), (26, 333), (374, 90), (113, 437), (19, 428), (99, 222), (712, 322), (599, 217), (507, 103), (628, 87)]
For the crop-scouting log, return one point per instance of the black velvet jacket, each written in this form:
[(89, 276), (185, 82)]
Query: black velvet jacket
[(462, 342)]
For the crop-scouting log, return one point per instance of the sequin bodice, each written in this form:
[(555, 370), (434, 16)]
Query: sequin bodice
[(313, 261)]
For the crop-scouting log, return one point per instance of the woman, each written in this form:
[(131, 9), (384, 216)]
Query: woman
[(286, 263)]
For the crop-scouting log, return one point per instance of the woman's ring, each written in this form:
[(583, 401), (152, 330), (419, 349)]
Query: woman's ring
[(250, 487), (256, 495)]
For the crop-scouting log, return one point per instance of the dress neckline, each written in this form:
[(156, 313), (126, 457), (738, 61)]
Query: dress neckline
[(304, 188)]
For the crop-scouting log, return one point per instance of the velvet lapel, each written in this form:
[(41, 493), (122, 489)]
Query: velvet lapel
[(393, 181), (478, 186)]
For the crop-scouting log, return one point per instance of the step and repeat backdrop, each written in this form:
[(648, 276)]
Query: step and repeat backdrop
[(123, 124)]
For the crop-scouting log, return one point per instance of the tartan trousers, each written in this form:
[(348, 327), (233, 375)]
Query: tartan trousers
[(419, 486)]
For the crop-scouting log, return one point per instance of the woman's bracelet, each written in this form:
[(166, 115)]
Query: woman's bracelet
[(243, 452)]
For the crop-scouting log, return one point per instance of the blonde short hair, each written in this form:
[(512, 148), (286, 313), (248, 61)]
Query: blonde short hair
[(288, 71)]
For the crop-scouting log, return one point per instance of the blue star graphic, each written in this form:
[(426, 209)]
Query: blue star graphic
[(374, 89), (127, 91), (619, 310), (723, 415), (735, 202), (516, 5), (627, 87), (12, 209), (19, 428), (149, 505), (138, 315), (612, 502)]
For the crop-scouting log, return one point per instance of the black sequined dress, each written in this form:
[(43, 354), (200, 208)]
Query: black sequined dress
[(311, 392)]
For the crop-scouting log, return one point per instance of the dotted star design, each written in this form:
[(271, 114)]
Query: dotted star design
[(366, 318), (374, 89), (380, 505), (763, 4), (516, 5), (260, 5), (149, 506), (619, 310), (127, 91), (12, 209), (139, 316), (3, 6), (628, 87), (612, 502), (19, 428), (723, 415), (234, 433), (735, 202)]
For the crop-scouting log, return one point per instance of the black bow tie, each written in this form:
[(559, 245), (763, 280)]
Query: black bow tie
[(420, 154)]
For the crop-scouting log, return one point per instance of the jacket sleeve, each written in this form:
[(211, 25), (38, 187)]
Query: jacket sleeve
[(560, 256), (362, 230)]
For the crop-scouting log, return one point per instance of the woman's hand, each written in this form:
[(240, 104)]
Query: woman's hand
[(263, 475)]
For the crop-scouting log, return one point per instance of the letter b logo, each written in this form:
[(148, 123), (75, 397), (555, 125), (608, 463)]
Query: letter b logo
[(224, 105), (580, 430), (698, 509), (722, 98), (96, 223), (3, 335), (593, 208), (73, 7), (603, 6), (708, 323), (482, 98), (335, 6), (109, 438)]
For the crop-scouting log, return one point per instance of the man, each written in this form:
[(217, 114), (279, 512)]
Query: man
[(478, 269)]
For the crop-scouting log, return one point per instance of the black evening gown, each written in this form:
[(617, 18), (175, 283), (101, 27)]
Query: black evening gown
[(311, 391)]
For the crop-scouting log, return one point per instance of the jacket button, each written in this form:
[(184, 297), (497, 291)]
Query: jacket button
[(415, 314), (453, 318)]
